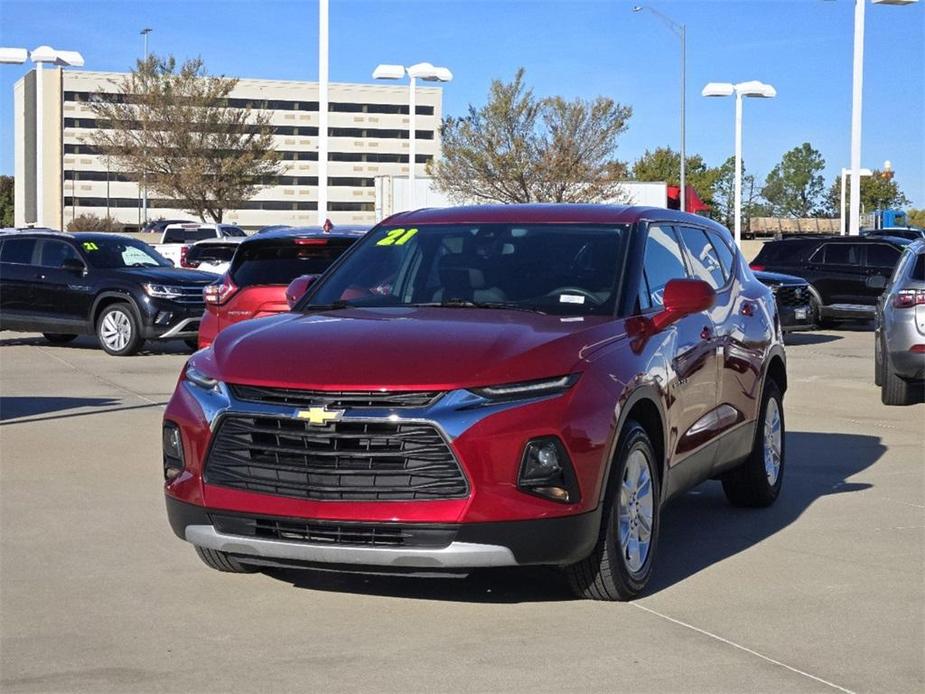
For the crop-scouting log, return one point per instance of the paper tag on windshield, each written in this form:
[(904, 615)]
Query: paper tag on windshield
[(571, 299)]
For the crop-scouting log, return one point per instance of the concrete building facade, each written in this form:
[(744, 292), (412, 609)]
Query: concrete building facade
[(368, 137)]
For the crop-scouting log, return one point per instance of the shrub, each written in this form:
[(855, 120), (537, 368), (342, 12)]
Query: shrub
[(90, 222)]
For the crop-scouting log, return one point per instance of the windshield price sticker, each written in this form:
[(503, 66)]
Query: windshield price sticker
[(90, 246), (397, 237), (571, 299)]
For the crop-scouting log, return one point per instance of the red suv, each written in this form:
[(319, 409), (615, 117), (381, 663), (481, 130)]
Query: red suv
[(485, 386), (262, 268)]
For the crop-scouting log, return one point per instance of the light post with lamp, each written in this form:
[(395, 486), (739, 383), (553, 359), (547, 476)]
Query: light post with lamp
[(742, 89), (420, 71)]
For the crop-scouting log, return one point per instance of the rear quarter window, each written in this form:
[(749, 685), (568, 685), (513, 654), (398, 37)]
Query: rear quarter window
[(918, 270), (18, 251), (882, 256)]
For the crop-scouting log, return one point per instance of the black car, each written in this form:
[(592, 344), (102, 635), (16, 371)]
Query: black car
[(113, 286), (793, 299), (846, 274)]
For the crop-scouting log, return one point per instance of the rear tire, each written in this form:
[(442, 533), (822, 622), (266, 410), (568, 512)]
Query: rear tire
[(118, 331), (615, 570), (222, 561), (894, 390), (59, 338), (878, 361), (757, 481)]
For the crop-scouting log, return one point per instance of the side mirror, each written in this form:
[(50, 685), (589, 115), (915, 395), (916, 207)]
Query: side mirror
[(74, 265), (682, 298), (297, 288)]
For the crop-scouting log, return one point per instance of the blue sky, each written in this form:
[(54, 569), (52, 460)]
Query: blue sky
[(571, 48)]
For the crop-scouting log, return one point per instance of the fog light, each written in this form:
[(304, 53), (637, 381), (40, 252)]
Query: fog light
[(547, 471), (163, 318), (173, 451)]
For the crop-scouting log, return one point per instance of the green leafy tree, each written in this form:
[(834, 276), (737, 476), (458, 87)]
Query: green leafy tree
[(171, 124), (916, 217), (794, 188), (878, 192), (6, 201), (521, 148), (664, 164)]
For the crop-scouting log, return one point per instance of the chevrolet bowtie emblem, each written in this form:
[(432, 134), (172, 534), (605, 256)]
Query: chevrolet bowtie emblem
[(319, 416)]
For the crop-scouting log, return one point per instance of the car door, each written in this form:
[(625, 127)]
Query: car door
[(61, 295), (838, 274), (17, 282), (691, 352), (879, 262)]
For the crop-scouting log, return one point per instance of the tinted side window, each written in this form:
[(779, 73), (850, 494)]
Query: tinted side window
[(18, 251), (723, 252), (233, 231), (882, 256), (841, 254), (918, 271), (54, 253), (280, 263), (704, 262), (664, 261)]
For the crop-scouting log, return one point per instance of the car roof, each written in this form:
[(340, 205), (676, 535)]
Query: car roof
[(308, 232), (545, 213), (826, 238), (65, 235)]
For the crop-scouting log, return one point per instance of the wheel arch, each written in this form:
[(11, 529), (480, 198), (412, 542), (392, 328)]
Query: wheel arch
[(108, 298), (644, 406)]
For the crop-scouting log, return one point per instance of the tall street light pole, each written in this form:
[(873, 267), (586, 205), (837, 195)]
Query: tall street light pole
[(857, 89), (144, 174), (322, 111), (742, 89), (40, 56), (423, 71), (680, 30)]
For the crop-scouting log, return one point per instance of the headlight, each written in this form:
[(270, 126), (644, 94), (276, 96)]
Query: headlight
[(162, 291), (197, 377), (527, 389)]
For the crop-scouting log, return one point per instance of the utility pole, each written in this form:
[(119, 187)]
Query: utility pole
[(144, 181)]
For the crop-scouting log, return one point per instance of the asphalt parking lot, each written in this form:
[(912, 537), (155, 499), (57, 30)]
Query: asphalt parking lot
[(824, 591)]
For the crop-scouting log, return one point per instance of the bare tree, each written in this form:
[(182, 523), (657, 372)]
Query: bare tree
[(174, 126), (518, 148)]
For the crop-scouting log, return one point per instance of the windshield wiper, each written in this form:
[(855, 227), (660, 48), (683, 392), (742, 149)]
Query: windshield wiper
[(340, 303), (465, 303)]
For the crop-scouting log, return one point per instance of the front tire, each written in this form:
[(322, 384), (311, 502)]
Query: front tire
[(757, 481), (118, 331), (222, 561), (59, 338), (621, 563), (878, 361)]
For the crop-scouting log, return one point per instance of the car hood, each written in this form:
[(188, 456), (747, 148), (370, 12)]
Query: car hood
[(166, 275), (773, 278), (405, 348)]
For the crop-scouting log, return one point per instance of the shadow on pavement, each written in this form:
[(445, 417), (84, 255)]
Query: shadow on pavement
[(797, 339), (12, 407), (87, 342), (698, 530)]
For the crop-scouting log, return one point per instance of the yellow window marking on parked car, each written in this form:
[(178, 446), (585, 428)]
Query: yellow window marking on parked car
[(90, 246), (397, 237)]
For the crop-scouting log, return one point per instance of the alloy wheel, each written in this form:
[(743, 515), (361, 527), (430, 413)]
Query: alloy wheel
[(773, 439), (634, 511), (116, 330)]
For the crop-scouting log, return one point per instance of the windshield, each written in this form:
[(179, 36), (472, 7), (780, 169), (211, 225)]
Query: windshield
[(551, 268), (280, 262), (122, 252)]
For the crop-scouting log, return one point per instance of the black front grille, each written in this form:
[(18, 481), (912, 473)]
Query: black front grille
[(363, 461), (190, 296), (792, 295), (333, 400), (335, 533)]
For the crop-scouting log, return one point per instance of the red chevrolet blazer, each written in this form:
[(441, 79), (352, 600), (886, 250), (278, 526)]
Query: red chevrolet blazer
[(485, 386)]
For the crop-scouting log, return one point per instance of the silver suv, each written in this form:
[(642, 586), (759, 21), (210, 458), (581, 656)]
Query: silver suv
[(899, 347)]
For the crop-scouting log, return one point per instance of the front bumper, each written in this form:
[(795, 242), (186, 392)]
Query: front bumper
[(171, 320), (547, 541)]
